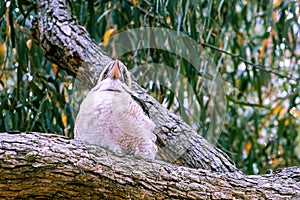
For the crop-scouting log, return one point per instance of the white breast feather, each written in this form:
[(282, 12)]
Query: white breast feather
[(113, 120)]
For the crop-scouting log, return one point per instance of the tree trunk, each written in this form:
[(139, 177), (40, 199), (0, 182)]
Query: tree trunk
[(38, 165), (48, 166)]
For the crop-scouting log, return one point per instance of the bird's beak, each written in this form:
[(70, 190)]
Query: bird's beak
[(115, 72)]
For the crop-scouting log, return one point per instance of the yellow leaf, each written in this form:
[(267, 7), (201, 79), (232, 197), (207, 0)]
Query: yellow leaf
[(275, 161), (282, 112), (3, 79), (260, 133), (276, 3), (64, 119), (276, 109), (67, 84), (2, 49), (274, 15), (54, 66), (134, 2), (262, 50), (273, 32), (66, 98), (248, 147), (107, 36), (286, 122), (2, 53), (168, 19), (236, 81), (295, 112), (240, 38)]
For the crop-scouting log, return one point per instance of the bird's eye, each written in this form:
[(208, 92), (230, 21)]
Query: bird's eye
[(105, 75), (122, 77)]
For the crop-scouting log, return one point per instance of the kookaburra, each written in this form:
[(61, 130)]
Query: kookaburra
[(112, 116)]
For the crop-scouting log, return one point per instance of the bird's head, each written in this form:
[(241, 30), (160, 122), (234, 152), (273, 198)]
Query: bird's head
[(114, 77), (116, 70)]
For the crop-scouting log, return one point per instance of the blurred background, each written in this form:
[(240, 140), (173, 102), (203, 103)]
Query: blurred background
[(255, 46)]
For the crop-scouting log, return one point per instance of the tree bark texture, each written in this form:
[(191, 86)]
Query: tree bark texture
[(68, 44), (47, 166)]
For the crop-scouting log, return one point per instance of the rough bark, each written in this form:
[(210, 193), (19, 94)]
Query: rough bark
[(36, 165), (69, 45)]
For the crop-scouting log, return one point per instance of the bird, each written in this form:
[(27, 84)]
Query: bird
[(112, 116)]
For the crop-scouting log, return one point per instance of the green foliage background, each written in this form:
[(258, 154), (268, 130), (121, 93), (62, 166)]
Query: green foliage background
[(255, 46)]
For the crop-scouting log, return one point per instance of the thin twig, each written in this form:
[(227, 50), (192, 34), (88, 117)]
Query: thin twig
[(245, 103)]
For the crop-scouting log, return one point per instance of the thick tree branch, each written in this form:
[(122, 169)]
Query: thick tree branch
[(36, 165), (69, 45)]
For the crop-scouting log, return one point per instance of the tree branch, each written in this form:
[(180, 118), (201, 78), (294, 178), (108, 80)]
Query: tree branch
[(37, 165)]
